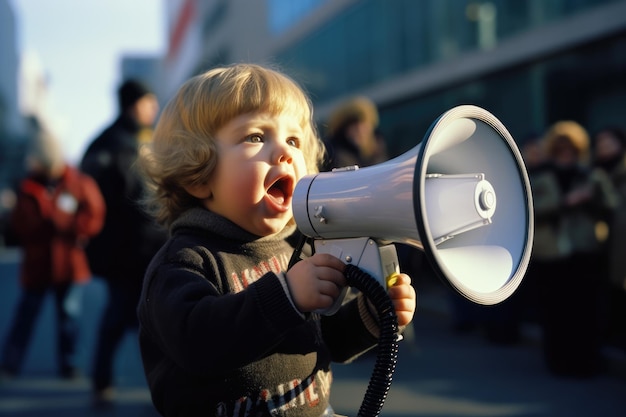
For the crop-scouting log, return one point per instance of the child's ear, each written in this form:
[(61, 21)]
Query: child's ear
[(199, 191)]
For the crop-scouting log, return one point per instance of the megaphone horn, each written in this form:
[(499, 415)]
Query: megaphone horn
[(462, 196)]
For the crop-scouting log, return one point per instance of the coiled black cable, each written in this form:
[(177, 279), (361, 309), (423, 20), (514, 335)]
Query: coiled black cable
[(387, 355)]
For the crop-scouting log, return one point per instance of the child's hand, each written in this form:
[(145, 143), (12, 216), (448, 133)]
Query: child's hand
[(403, 297), (315, 282)]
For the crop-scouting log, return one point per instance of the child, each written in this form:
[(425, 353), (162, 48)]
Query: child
[(225, 329)]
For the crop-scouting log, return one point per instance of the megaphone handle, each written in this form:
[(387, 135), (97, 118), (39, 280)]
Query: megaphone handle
[(379, 261)]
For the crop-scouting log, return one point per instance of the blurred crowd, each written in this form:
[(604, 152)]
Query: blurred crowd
[(578, 270), (575, 286)]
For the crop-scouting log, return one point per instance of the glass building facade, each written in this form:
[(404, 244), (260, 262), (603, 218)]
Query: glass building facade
[(374, 41)]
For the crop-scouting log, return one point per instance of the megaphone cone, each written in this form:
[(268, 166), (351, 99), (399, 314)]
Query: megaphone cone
[(462, 196)]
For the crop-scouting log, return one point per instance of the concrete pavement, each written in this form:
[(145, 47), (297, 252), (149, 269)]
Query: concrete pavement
[(38, 392), (442, 373)]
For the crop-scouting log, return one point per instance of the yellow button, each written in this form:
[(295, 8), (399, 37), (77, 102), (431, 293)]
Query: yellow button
[(391, 279)]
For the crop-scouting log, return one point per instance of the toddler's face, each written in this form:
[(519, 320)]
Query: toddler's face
[(260, 160)]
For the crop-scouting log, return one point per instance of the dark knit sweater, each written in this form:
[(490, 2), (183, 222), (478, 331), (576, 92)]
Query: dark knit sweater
[(220, 336)]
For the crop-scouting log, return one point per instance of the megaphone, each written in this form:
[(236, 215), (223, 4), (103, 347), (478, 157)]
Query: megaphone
[(462, 196)]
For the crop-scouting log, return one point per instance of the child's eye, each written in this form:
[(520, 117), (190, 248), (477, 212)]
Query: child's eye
[(254, 138), (295, 142)]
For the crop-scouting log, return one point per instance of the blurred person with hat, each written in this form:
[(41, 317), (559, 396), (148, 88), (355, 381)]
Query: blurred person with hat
[(57, 211), (352, 136), (129, 239)]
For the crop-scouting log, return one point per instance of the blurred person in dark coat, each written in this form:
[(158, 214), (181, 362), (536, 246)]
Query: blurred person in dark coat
[(610, 155), (129, 239), (58, 209), (578, 210)]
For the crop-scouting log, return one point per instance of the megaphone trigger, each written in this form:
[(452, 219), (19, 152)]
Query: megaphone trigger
[(391, 279)]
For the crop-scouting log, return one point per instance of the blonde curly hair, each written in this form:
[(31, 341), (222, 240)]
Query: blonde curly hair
[(183, 151)]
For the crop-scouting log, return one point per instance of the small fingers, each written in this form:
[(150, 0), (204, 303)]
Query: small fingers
[(329, 288), (401, 291), (398, 279), (324, 302), (405, 309), (401, 287), (331, 275), (404, 317), (404, 299), (328, 260)]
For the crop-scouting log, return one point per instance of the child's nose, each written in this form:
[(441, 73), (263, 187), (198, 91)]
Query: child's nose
[(285, 158), (282, 154)]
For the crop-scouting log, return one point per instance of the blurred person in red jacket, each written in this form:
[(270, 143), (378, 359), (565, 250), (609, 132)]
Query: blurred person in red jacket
[(58, 210)]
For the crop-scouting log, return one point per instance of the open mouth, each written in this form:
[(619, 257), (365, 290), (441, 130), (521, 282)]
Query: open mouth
[(281, 190)]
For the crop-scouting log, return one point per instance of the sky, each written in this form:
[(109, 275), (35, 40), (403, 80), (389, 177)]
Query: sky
[(79, 45)]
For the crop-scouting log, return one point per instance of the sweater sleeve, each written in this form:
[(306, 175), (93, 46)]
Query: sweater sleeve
[(190, 321)]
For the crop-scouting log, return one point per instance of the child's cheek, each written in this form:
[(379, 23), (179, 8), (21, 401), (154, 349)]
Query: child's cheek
[(301, 168)]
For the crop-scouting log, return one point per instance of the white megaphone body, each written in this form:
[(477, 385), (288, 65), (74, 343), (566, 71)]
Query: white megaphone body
[(462, 196)]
